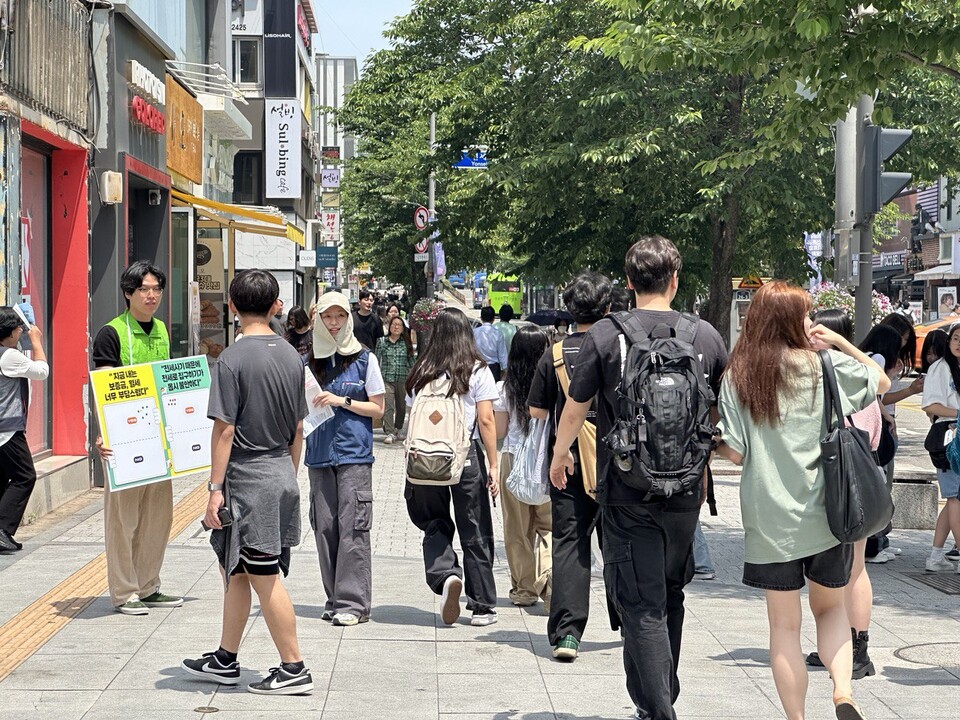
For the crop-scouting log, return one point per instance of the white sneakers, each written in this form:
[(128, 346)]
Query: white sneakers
[(389, 440), (450, 599), (938, 565)]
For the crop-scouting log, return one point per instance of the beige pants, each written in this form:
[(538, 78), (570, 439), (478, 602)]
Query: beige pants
[(527, 541), (136, 530)]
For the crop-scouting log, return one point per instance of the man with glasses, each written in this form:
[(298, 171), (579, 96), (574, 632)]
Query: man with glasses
[(137, 520)]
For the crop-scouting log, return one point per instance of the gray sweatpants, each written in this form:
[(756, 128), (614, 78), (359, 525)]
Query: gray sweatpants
[(341, 515)]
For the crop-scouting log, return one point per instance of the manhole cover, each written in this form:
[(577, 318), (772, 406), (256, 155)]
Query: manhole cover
[(945, 654), (206, 709), (948, 583)]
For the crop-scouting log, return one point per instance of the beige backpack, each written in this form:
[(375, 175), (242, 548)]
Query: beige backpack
[(438, 439)]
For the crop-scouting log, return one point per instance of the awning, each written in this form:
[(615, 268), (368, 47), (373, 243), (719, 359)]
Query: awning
[(266, 222), (940, 272)]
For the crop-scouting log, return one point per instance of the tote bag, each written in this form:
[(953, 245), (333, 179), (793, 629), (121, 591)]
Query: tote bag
[(857, 499), (529, 478)]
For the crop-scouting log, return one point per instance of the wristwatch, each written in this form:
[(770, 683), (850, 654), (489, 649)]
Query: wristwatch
[(348, 401), (215, 487)]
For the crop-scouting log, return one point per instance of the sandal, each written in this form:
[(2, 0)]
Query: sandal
[(847, 709)]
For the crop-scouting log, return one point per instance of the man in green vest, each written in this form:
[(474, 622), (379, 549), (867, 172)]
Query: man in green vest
[(137, 520)]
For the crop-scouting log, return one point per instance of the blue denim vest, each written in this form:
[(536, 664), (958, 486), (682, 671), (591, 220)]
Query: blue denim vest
[(347, 438)]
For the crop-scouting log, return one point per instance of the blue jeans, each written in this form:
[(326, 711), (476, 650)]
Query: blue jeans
[(701, 552)]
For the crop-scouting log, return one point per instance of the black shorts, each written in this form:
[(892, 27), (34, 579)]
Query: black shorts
[(254, 562), (830, 568)]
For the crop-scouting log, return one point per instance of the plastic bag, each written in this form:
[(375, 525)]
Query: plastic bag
[(529, 479)]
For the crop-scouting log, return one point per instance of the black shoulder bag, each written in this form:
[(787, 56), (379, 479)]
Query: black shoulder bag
[(857, 498)]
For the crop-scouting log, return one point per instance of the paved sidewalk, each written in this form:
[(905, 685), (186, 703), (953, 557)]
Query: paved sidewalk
[(405, 664)]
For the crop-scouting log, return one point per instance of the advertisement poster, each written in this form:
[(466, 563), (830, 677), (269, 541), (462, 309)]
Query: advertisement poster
[(212, 292), (154, 418), (946, 300), (283, 148)]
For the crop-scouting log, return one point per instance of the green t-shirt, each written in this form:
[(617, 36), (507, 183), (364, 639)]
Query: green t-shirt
[(781, 486)]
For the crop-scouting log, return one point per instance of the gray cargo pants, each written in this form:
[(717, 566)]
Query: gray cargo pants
[(341, 515)]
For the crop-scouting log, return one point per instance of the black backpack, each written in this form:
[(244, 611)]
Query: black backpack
[(662, 437)]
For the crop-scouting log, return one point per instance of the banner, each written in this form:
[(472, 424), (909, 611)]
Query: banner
[(153, 417), (212, 287), (280, 71), (282, 148), (331, 226)]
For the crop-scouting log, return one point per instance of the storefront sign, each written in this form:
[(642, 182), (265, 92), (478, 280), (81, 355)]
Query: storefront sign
[(145, 82), (213, 296), (184, 132), (145, 114), (282, 148), (330, 199), (154, 418), (280, 49), (331, 226), (303, 26), (327, 256), (330, 152), (330, 178), (307, 258)]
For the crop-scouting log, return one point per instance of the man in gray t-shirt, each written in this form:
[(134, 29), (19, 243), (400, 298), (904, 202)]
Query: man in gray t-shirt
[(266, 409)]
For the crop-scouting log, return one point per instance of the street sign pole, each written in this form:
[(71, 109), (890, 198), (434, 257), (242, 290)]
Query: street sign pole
[(863, 305), (432, 209)]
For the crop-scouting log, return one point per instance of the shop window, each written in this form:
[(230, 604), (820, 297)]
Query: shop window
[(946, 248), (246, 61), (248, 178)]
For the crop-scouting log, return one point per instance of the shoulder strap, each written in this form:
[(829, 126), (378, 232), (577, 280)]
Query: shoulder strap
[(831, 395), (561, 368), (630, 325), (687, 328)]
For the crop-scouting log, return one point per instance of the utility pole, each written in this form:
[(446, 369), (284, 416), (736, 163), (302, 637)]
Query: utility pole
[(863, 305), (432, 209)]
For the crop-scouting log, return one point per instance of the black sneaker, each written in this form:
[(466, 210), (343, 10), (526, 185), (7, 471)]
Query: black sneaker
[(280, 682), (952, 555), (209, 667)]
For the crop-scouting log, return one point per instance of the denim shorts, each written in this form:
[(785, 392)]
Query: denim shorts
[(949, 483), (830, 568)]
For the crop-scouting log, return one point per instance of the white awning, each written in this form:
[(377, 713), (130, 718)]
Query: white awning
[(940, 272)]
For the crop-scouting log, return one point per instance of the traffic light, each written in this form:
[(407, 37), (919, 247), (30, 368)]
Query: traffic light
[(880, 187)]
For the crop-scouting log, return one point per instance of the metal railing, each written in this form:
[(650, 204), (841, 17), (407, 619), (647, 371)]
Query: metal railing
[(45, 57)]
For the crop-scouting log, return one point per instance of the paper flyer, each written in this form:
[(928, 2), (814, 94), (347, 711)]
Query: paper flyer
[(318, 415), (154, 418)]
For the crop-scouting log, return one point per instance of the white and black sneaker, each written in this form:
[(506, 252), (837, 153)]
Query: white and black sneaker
[(281, 682), (209, 667)]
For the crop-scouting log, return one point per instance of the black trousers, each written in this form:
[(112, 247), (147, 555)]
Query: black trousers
[(573, 513), (17, 478), (648, 560), (429, 509)]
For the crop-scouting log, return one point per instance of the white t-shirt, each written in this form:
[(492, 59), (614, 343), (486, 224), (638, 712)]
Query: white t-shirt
[(482, 387), (14, 364), (938, 387), (515, 434), (374, 380)]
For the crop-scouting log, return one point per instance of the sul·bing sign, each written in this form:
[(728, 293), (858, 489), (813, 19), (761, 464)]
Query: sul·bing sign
[(142, 111)]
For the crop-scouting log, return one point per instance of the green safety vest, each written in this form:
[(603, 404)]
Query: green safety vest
[(135, 345)]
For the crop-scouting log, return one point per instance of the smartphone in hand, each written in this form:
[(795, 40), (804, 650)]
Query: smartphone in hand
[(226, 518)]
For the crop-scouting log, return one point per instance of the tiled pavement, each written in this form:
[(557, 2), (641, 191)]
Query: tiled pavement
[(405, 664)]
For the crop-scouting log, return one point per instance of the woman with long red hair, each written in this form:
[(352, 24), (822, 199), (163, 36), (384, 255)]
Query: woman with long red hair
[(771, 408)]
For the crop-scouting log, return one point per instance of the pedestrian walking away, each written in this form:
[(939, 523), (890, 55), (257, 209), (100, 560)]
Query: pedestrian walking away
[(257, 403), (504, 326), (648, 537), (940, 402), (18, 476), (136, 520), (340, 461), (771, 407), (396, 357), (490, 343), (573, 512), (452, 356), (858, 592), (526, 528)]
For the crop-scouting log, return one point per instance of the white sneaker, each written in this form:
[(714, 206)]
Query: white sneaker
[(482, 618), (345, 619), (939, 565), (388, 440), (893, 550), (879, 558), (450, 599)]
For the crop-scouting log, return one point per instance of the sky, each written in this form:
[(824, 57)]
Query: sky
[(354, 27)]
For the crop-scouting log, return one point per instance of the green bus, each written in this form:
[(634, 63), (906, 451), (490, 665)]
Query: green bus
[(504, 289)]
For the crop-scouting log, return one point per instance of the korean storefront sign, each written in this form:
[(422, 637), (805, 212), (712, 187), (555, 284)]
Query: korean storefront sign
[(331, 226), (154, 418), (184, 132), (282, 148), (280, 71)]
